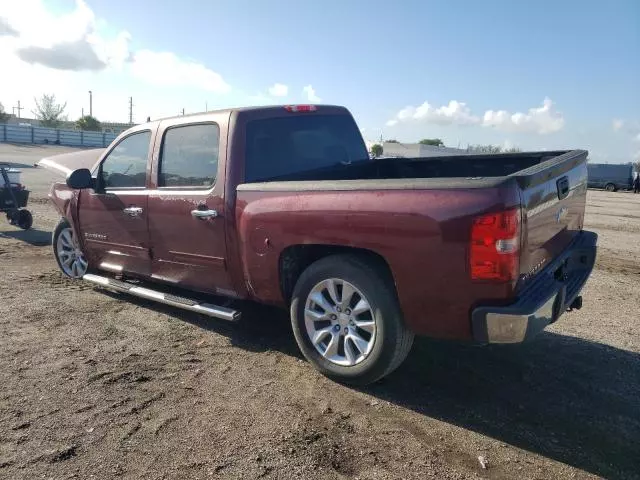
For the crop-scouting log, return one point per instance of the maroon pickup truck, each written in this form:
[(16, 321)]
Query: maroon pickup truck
[(283, 206)]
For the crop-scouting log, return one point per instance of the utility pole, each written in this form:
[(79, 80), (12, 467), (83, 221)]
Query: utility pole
[(183, 111), (90, 103), (82, 113), (206, 106), (18, 108), (130, 110)]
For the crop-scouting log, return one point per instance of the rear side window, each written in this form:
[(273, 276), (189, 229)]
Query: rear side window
[(126, 165), (189, 156), (277, 147)]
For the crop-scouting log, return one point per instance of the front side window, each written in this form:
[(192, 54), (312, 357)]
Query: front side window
[(126, 164), (189, 156)]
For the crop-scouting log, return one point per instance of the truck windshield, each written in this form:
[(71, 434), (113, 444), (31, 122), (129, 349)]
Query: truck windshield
[(277, 147)]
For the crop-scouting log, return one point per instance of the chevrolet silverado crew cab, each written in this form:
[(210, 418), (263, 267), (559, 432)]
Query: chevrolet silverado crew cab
[(283, 206)]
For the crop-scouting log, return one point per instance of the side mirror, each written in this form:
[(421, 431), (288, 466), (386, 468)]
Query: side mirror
[(80, 178)]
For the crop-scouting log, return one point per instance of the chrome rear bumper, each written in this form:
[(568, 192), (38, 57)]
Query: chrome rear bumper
[(555, 290)]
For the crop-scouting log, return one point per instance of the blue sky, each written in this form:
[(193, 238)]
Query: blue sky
[(378, 59)]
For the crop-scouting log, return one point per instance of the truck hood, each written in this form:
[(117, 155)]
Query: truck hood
[(66, 163)]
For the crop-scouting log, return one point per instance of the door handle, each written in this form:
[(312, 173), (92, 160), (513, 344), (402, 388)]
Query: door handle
[(132, 211), (204, 213)]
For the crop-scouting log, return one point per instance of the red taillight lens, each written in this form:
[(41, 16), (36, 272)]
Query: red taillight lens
[(495, 246), (300, 108)]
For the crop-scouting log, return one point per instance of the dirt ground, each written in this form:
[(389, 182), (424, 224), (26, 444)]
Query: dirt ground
[(92, 386)]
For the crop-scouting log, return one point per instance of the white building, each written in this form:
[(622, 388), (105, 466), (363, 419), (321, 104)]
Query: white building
[(413, 150)]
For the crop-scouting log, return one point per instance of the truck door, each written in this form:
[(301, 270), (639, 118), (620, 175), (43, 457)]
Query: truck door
[(113, 218), (187, 209)]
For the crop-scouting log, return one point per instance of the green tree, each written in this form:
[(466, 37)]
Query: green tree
[(3, 116), (49, 112), (492, 149), (376, 150), (88, 123), (432, 141)]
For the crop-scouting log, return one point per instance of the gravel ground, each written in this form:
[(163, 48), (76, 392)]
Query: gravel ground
[(97, 387)]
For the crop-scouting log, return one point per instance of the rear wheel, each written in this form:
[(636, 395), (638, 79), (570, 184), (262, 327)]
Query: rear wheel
[(67, 251), (610, 187), (347, 321)]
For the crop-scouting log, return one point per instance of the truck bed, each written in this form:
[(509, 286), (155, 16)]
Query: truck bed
[(460, 166), (384, 205)]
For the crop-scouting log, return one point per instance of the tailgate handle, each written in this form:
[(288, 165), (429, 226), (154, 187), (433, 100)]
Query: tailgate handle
[(563, 187)]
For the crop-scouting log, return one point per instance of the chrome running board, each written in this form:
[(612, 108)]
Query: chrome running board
[(208, 309)]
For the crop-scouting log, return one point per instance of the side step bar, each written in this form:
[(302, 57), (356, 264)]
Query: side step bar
[(173, 300)]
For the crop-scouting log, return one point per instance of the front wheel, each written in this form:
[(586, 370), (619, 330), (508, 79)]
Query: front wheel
[(347, 321), (67, 251)]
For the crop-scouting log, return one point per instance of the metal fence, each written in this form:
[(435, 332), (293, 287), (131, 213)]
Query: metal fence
[(54, 136)]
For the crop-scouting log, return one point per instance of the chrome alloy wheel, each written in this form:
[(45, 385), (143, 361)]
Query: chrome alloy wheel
[(70, 257), (339, 321)]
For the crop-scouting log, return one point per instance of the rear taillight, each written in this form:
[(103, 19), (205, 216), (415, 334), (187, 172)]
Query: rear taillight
[(300, 108), (495, 246)]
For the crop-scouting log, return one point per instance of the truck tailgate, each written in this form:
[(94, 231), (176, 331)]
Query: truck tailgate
[(553, 198)]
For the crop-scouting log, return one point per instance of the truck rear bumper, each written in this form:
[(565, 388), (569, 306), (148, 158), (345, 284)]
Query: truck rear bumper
[(551, 293)]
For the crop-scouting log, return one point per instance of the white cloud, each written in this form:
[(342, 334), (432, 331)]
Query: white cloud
[(76, 52), (67, 41), (544, 119), (454, 113), (311, 94), (38, 26), (628, 127), (617, 124), (167, 69), (278, 90), (6, 29)]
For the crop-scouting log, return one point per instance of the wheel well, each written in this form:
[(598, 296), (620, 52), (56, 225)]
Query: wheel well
[(295, 259)]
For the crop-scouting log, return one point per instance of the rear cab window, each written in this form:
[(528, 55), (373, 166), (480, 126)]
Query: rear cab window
[(277, 147), (189, 156)]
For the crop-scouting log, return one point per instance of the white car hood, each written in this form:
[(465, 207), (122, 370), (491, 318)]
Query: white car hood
[(65, 163)]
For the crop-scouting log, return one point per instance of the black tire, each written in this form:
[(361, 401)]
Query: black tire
[(610, 187), (393, 340), (62, 224), (24, 219)]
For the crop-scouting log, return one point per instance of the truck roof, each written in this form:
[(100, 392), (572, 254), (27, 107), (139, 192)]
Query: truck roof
[(249, 109)]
